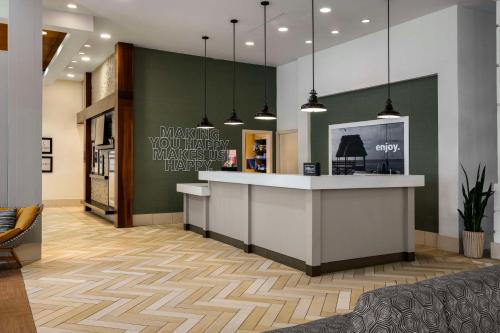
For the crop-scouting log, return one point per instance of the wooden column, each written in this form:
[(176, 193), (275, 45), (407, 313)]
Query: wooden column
[(124, 127), (87, 142)]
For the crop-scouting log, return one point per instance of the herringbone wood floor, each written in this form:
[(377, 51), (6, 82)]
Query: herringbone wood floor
[(95, 278)]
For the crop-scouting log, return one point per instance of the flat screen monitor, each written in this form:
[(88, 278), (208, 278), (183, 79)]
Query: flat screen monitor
[(369, 147)]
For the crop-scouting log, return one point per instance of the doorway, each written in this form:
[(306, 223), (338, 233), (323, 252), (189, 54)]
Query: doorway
[(287, 151)]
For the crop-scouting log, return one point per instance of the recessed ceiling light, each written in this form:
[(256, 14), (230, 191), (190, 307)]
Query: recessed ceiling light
[(325, 10), (105, 36), (365, 21), (85, 59), (335, 32), (70, 75), (81, 53), (309, 41), (87, 45), (249, 43), (71, 6), (74, 61), (44, 32), (70, 67), (282, 29)]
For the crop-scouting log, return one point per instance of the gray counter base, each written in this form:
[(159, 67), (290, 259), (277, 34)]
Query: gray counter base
[(330, 267), (315, 231)]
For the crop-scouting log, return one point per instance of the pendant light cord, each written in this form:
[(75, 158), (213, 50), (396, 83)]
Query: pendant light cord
[(389, 49), (205, 76), (313, 60), (265, 53), (234, 65)]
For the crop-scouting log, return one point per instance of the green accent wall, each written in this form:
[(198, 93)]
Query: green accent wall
[(168, 91), (417, 99)]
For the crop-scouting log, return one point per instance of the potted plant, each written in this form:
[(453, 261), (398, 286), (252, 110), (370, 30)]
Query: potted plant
[(475, 201)]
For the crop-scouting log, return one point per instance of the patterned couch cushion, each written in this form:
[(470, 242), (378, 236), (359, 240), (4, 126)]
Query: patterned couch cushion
[(465, 302), (7, 219), (471, 299), (405, 308)]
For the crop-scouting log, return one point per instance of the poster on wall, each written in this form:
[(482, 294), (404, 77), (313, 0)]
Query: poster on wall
[(369, 147)]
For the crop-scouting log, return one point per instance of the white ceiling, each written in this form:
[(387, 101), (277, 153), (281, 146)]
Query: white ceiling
[(177, 26)]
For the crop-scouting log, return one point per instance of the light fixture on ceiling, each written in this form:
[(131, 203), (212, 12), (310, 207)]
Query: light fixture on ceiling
[(205, 123), (309, 41), (265, 114), (44, 33), (105, 36), (335, 32), (81, 53), (70, 75), (313, 105), (70, 67), (74, 61), (86, 59), (87, 45), (71, 6), (282, 29), (365, 21), (325, 10), (389, 112), (233, 119), (249, 43)]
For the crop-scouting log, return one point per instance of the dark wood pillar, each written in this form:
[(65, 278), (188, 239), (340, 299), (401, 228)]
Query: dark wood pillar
[(87, 142), (124, 126)]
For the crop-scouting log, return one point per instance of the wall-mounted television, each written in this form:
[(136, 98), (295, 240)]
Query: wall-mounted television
[(369, 147)]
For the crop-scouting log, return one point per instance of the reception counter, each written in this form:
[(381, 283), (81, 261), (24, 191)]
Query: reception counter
[(315, 224)]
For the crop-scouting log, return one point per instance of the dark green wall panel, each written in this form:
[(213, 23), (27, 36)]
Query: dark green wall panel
[(417, 99), (168, 91)]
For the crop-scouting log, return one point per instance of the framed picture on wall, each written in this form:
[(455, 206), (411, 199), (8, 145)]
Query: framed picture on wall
[(46, 145), (47, 166)]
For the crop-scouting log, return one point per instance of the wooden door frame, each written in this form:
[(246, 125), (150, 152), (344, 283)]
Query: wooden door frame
[(244, 132), (278, 133)]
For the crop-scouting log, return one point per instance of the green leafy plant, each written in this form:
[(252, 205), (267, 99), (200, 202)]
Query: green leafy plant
[(475, 201)]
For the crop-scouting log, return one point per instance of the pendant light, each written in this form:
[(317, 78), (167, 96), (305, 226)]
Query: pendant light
[(313, 105), (265, 114), (205, 123), (389, 112), (233, 119)]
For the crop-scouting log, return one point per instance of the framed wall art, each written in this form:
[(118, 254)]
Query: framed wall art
[(47, 146)]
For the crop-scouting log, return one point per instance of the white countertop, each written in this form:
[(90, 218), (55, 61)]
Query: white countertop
[(311, 182), (198, 189)]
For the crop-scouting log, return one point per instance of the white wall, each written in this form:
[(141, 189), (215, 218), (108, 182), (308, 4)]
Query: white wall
[(61, 102), (421, 47), (477, 99)]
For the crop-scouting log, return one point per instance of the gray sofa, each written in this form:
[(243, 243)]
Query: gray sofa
[(462, 302)]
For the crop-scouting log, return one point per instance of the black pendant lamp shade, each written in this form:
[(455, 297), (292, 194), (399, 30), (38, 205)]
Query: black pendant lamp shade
[(205, 123), (313, 105), (389, 112), (265, 114), (233, 119)]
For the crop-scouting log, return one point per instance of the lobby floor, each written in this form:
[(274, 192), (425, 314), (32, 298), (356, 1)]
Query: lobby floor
[(95, 278)]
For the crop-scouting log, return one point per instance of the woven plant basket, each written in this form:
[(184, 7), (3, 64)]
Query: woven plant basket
[(473, 244)]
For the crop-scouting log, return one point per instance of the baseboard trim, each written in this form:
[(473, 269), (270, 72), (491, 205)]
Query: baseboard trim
[(301, 265), (495, 250), (62, 203), (432, 239), (158, 219)]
